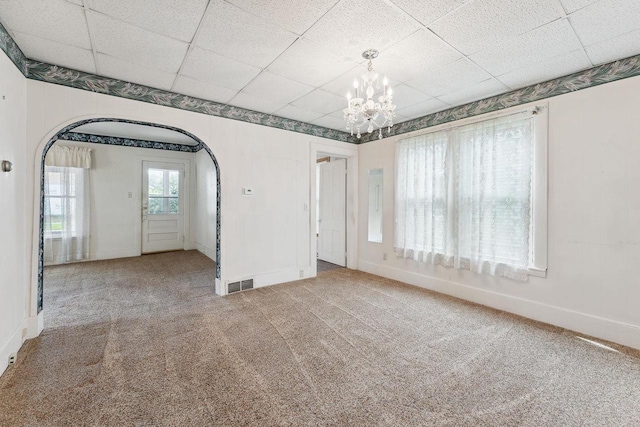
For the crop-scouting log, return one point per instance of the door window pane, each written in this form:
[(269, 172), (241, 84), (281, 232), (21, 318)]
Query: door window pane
[(164, 189)]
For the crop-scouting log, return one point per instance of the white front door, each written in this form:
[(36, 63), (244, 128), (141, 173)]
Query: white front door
[(332, 234), (162, 206)]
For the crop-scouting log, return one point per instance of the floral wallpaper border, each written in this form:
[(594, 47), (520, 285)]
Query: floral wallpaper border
[(617, 70), (67, 134), (10, 47), (595, 76), (126, 142)]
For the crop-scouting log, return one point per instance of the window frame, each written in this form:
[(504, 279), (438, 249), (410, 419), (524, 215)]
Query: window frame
[(539, 182), (57, 234)]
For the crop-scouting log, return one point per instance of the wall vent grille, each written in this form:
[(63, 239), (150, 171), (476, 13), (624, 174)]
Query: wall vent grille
[(241, 285), (233, 287)]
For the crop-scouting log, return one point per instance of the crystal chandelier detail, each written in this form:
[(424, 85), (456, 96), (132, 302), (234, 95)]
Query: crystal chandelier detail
[(366, 111)]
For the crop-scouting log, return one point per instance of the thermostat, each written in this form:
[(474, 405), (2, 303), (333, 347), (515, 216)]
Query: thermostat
[(247, 191)]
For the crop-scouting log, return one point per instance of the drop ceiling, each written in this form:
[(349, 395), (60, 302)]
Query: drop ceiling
[(297, 59)]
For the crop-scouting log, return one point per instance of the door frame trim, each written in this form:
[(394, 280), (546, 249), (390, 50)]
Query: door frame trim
[(339, 258), (185, 196), (349, 153)]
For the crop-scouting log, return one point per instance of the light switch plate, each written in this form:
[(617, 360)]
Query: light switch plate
[(247, 191)]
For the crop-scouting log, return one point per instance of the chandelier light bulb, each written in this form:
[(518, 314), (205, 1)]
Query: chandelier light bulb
[(361, 112)]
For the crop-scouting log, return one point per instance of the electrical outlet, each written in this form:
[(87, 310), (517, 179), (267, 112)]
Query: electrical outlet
[(301, 273), (12, 358)]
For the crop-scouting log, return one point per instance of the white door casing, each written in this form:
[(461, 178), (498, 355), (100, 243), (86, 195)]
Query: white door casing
[(163, 206), (332, 235)]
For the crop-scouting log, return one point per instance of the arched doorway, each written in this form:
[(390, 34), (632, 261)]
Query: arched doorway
[(67, 133)]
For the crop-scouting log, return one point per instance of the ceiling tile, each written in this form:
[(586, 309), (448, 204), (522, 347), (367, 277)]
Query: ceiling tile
[(399, 119), (218, 70), (133, 44), (547, 70), (605, 20), (55, 20), (198, 89), (409, 58), (56, 53), (428, 11), (309, 63), (110, 66), (295, 113), (338, 114), (159, 16), (477, 91), (234, 33), (479, 24), (78, 2), (613, 49), (321, 101), (280, 12), (572, 5), (354, 26), (404, 96), (255, 103), (423, 108), (535, 46), (277, 88), (331, 122), (457, 75), (343, 83)]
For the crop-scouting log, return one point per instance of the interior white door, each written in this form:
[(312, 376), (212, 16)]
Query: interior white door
[(332, 236), (162, 206)]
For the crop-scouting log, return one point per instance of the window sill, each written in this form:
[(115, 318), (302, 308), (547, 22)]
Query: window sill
[(55, 237), (537, 272)]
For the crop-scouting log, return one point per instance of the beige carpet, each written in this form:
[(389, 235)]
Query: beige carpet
[(145, 342)]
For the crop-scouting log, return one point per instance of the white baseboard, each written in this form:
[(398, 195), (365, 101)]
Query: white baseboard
[(272, 278), (211, 253), (606, 329), (12, 345), (115, 253), (35, 325)]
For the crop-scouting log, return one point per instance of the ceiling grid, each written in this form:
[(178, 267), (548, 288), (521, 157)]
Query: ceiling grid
[(297, 61)]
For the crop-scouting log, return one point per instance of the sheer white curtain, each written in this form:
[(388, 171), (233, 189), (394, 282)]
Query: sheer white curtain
[(463, 196), (67, 204)]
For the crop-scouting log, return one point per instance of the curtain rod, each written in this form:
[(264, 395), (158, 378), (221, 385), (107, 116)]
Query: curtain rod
[(476, 119)]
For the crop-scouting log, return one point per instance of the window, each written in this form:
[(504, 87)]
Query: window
[(67, 207), (474, 196), (164, 186), (60, 198)]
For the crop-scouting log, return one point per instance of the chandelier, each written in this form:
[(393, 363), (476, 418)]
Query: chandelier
[(365, 111)]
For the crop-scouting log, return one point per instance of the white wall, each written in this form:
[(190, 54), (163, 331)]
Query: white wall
[(205, 204), (264, 236), (115, 218), (594, 226), (13, 247)]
